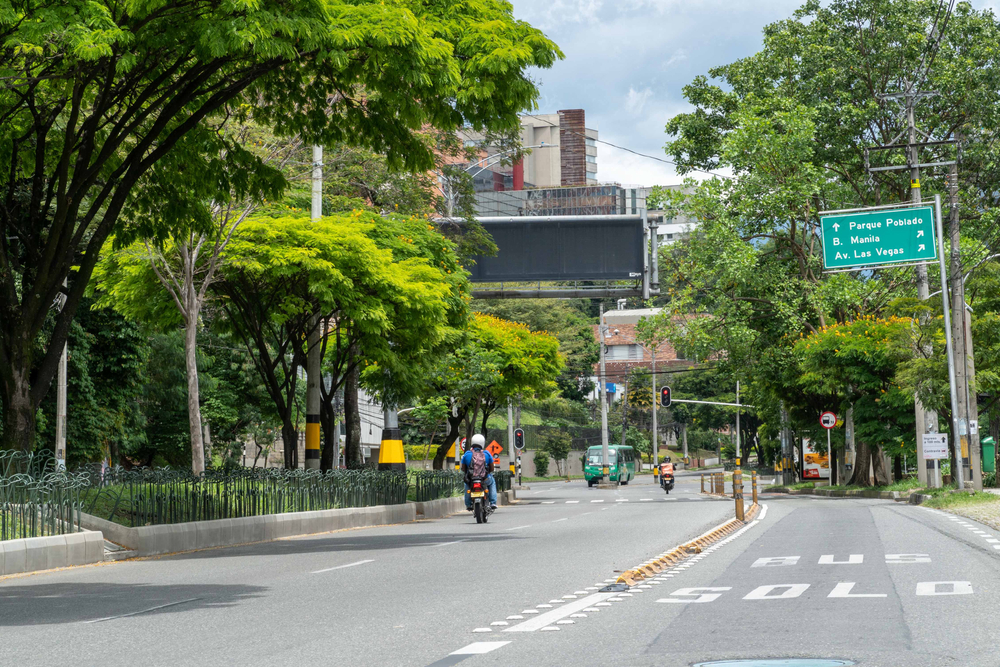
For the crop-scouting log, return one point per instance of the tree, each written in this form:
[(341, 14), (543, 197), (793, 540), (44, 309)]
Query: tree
[(106, 113), (279, 272), (557, 444), (498, 359)]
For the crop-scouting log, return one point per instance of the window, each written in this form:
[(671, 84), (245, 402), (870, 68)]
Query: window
[(591, 142), (624, 353), (592, 159)]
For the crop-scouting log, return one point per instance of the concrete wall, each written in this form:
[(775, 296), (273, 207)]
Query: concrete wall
[(45, 553), (573, 461)]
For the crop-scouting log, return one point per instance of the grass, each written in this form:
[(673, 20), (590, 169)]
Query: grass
[(945, 500)]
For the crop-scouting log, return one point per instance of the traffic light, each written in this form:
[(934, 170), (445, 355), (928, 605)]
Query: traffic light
[(665, 397), (518, 438)]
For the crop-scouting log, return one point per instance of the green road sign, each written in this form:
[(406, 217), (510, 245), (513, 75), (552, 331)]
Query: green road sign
[(873, 237)]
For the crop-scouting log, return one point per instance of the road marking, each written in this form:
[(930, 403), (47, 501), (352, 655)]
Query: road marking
[(644, 499), (597, 501), (843, 590), (586, 513), (957, 588), (551, 628), (572, 502), (543, 620), (483, 630), (341, 567), (531, 611), (515, 617), (548, 502), (695, 595), (444, 544), (765, 592), (518, 527), (853, 559), (562, 519), (144, 611), (479, 648), (776, 561), (621, 500), (896, 559), (499, 623)]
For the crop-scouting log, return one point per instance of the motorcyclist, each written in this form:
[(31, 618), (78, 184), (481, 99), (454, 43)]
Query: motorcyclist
[(477, 462)]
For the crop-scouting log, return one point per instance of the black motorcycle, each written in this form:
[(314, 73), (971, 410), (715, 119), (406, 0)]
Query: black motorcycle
[(480, 500), (667, 479)]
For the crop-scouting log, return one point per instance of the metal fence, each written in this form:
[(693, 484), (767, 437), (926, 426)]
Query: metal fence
[(434, 484), (147, 497), (35, 499)]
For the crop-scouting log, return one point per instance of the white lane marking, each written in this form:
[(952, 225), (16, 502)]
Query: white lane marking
[(562, 519), (518, 527), (992, 540), (531, 611), (543, 620), (605, 508), (765, 592), (551, 628), (670, 499), (572, 502), (478, 648), (144, 611), (896, 559), (843, 590), (544, 606), (776, 561), (565, 621), (499, 623), (695, 595), (515, 617), (444, 544), (578, 616), (621, 500), (597, 501), (586, 513), (483, 630), (644, 499), (570, 597), (548, 502), (555, 601), (957, 588), (763, 512), (853, 559), (341, 567)]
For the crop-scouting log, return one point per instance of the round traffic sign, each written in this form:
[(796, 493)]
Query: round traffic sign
[(828, 420)]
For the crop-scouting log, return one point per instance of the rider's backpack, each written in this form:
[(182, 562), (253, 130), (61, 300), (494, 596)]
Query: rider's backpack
[(478, 466)]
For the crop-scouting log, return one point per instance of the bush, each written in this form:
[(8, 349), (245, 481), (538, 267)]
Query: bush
[(541, 460)]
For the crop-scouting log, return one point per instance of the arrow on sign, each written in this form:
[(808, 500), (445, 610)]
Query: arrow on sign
[(920, 233), (921, 247), (836, 226)]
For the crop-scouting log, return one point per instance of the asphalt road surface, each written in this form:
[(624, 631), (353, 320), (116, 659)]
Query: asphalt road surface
[(875, 582)]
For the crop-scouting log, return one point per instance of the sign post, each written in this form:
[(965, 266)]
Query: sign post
[(935, 448), (828, 420), (870, 238)]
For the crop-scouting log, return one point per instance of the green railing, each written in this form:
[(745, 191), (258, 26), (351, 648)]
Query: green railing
[(503, 479), (434, 484), (147, 497), (36, 500)]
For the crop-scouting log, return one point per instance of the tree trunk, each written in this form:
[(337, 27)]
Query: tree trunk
[(862, 457), (290, 441), (897, 468), (19, 413), (331, 433), (352, 421), (878, 467), (194, 406), (454, 427)]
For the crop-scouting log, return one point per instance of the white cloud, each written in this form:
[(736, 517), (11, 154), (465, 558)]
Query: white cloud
[(636, 100)]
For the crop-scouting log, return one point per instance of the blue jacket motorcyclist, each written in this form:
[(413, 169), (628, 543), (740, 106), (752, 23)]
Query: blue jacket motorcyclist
[(477, 462)]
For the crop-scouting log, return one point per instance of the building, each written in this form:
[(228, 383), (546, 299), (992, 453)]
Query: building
[(625, 352), (603, 199)]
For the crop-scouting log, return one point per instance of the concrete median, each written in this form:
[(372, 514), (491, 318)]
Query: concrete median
[(45, 553)]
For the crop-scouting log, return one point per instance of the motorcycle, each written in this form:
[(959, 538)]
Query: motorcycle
[(667, 476), (480, 500)]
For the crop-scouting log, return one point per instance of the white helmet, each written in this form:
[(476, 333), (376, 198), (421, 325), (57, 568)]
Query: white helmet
[(479, 440)]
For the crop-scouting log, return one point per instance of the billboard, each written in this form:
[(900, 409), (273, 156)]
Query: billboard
[(533, 248), (817, 466)]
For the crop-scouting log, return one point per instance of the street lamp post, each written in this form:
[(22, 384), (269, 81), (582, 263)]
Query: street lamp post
[(605, 462)]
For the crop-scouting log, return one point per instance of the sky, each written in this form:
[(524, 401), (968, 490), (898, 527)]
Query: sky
[(627, 62)]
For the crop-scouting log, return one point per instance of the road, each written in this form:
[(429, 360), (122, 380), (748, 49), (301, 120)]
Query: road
[(834, 578)]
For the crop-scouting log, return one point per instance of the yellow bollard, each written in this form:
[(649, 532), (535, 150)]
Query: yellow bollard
[(753, 482), (738, 493), (703, 482)]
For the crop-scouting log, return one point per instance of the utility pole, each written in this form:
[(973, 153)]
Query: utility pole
[(605, 458), (314, 357), (738, 424), (656, 400), (624, 411), (60, 301), (511, 453), (965, 445)]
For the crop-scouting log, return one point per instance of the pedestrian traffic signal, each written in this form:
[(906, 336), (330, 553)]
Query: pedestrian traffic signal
[(665, 397), (518, 438)]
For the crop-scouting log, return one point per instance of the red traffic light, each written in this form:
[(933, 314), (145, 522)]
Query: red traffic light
[(665, 397), (518, 438)]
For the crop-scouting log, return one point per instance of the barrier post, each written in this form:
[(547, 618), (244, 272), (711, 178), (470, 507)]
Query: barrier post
[(753, 482), (703, 482), (738, 493)]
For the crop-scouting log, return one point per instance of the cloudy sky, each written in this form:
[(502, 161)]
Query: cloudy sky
[(627, 60)]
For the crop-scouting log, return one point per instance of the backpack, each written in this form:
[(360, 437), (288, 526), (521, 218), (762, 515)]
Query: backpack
[(478, 467)]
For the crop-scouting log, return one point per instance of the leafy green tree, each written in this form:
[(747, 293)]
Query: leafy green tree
[(541, 461), (111, 116), (557, 444)]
